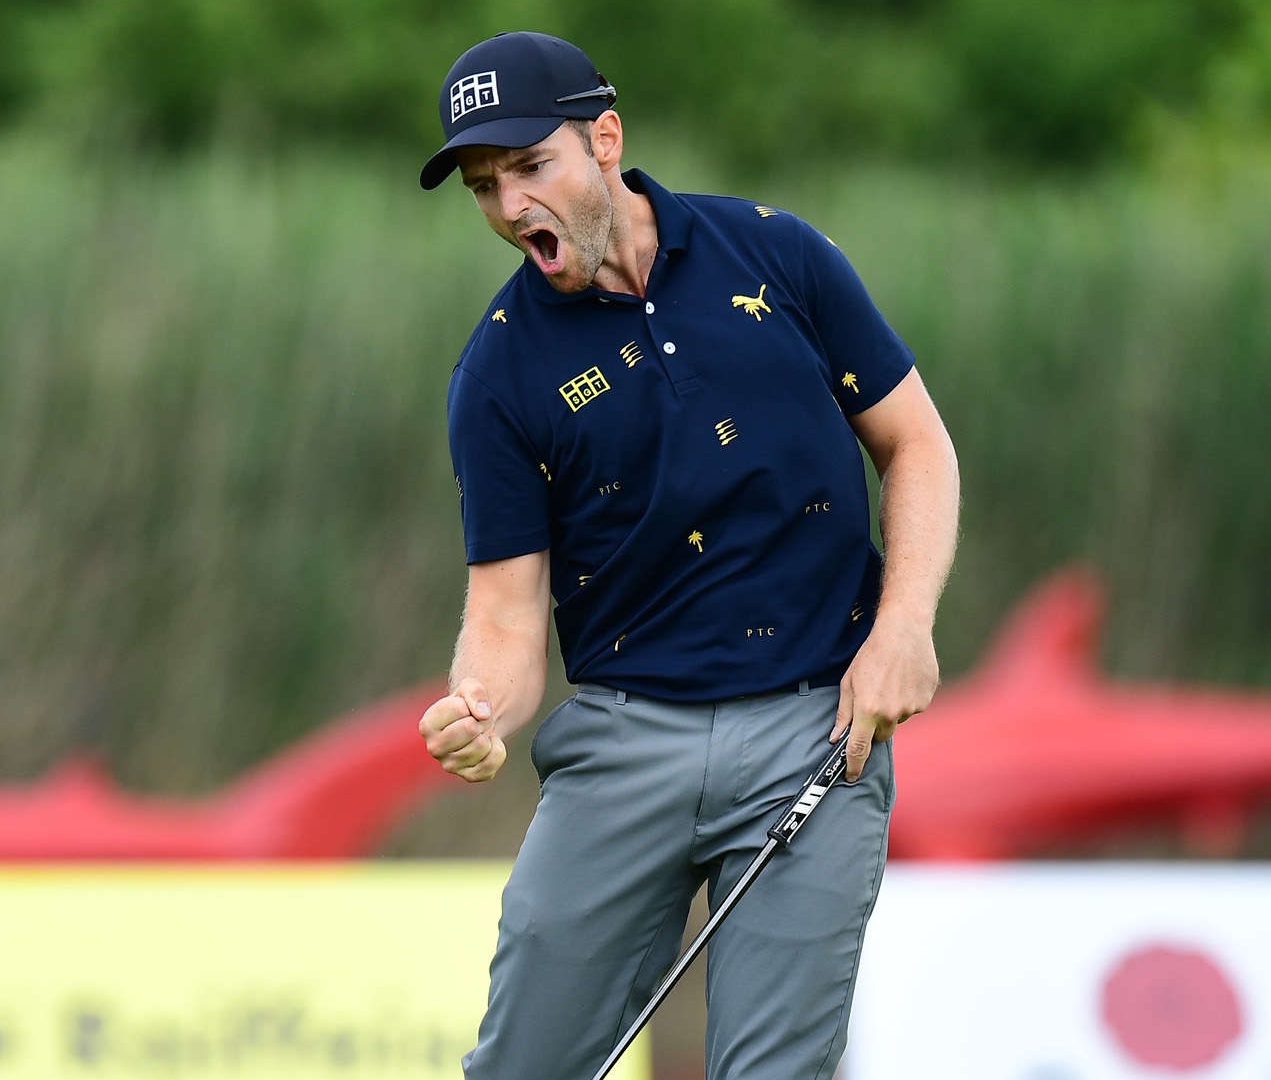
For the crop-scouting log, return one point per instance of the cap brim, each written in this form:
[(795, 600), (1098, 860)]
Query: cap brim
[(512, 132)]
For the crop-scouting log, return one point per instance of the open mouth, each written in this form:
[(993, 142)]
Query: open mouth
[(545, 247)]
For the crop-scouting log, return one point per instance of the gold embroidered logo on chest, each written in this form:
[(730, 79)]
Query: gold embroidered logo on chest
[(584, 389), (631, 354), (752, 305)]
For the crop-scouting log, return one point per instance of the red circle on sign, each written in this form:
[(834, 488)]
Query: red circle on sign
[(1171, 1008)]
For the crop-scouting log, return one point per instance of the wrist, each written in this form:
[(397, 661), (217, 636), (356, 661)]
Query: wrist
[(910, 616)]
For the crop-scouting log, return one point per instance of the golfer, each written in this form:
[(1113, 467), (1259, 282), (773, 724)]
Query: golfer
[(657, 425)]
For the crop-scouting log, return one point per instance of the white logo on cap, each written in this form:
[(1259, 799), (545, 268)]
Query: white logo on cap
[(473, 92)]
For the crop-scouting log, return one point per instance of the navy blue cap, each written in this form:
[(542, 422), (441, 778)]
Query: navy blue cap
[(514, 90)]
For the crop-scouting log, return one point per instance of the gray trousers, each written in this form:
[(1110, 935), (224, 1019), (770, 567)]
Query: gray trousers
[(642, 801)]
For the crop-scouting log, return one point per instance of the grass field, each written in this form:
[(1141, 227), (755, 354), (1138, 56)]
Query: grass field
[(226, 506)]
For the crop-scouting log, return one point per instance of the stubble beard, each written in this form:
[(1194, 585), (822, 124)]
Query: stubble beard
[(590, 232)]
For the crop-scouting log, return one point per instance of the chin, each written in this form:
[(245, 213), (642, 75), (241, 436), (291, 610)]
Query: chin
[(569, 281)]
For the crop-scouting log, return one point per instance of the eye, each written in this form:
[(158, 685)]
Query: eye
[(531, 167)]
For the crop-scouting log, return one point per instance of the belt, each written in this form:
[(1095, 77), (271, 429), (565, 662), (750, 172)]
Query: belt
[(621, 697)]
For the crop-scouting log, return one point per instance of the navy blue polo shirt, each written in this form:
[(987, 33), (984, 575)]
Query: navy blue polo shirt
[(685, 456)]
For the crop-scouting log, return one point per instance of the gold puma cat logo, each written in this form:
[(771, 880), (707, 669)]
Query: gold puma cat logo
[(752, 305)]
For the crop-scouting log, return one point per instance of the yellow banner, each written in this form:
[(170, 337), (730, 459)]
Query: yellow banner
[(276, 973)]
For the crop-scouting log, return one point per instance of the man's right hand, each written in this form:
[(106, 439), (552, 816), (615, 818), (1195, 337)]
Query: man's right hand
[(459, 732)]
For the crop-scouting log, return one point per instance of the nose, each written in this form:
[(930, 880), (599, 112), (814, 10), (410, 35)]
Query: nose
[(513, 204)]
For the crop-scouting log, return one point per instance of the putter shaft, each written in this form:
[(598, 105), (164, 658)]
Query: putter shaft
[(779, 835)]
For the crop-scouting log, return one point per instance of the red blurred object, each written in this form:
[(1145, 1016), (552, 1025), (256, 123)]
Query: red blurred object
[(334, 795), (1172, 1008), (1034, 750), (1037, 749)]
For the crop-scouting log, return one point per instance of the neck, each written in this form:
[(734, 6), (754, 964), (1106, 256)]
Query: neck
[(633, 243)]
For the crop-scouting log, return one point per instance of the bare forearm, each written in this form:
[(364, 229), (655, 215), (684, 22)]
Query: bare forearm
[(510, 662), (919, 521), (895, 673)]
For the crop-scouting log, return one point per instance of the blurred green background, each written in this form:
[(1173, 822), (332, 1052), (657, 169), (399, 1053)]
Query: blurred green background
[(228, 317)]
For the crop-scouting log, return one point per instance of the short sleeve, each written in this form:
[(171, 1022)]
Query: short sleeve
[(867, 357), (502, 488)]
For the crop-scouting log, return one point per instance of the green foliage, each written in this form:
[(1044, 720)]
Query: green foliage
[(1067, 82), (754, 82), (1239, 95), (226, 504), (172, 74)]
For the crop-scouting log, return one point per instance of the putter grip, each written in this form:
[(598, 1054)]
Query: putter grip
[(801, 807)]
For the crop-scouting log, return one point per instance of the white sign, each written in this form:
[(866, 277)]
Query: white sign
[(1066, 972)]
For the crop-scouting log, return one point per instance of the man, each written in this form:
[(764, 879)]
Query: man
[(656, 423)]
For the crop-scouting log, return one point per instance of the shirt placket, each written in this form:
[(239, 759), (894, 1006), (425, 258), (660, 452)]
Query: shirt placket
[(666, 343)]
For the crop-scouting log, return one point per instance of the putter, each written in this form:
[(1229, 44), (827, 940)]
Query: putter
[(779, 835)]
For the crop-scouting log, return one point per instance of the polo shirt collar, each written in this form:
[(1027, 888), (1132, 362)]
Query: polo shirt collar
[(675, 222)]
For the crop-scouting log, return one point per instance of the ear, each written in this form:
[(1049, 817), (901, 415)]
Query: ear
[(606, 140)]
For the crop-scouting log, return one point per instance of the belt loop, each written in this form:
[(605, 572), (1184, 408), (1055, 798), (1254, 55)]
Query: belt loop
[(803, 688), (620, 696)]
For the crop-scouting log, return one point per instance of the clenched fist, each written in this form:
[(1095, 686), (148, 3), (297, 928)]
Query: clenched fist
[(459, 732)]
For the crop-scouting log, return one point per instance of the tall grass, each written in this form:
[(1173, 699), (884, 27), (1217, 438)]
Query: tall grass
[(226, 505)]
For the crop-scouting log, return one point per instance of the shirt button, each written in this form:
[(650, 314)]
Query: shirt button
[(649, 308), (669, 348)]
